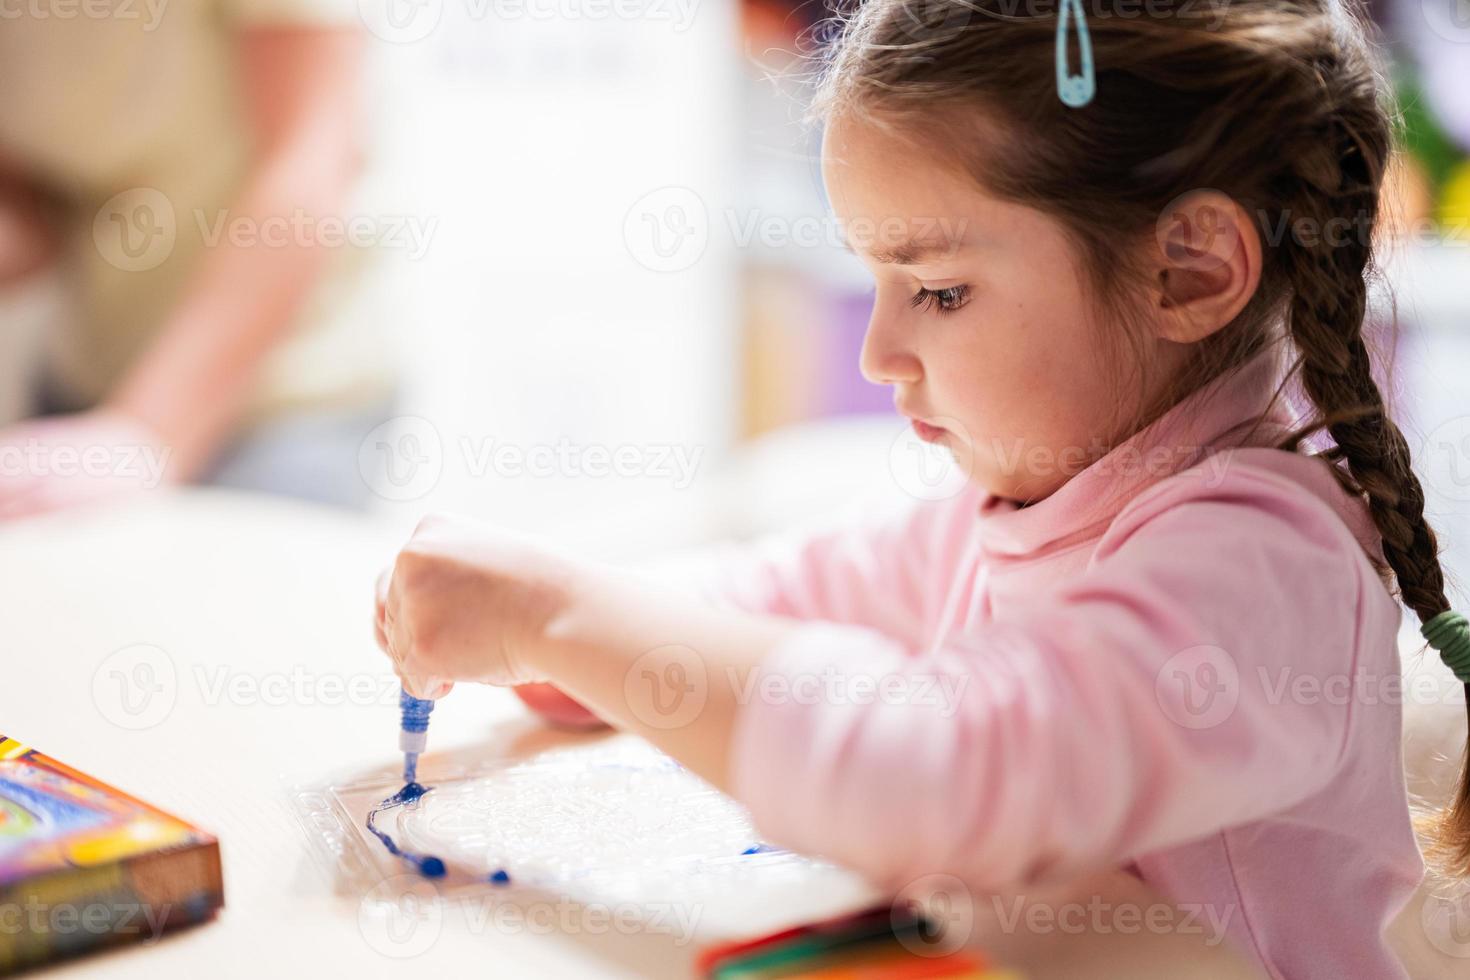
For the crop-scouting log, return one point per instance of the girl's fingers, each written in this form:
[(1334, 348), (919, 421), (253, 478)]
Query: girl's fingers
[(394, 645), (426, 686), (385, 630), (380, 610), (380, 592)]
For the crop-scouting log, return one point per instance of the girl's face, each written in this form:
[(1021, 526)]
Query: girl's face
[(980, 322)]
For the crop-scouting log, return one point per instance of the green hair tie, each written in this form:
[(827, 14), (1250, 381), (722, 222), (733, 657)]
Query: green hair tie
[(1449, 633)]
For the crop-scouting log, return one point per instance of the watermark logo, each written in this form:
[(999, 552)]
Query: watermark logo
[(408, 21), (405, 457), (1447, 459), (136, 687), (1446, 921), (1198, 229), (136, 229), (140, 464), (1199, 687), (1450, 19), (946, 911), (34, 918), (929, 20), (940, 693), (929, 470), (149, 13), (402, 459), (567, 917), (401, 917), (400, 21), (667, 230), (1127, 461), (300, 228), (1287, 685), (667, 687), (1098, 916), (665, 461), (222, 684), (1191, 230)]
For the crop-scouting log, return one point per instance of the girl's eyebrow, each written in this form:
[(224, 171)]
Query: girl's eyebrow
[(909, 252)]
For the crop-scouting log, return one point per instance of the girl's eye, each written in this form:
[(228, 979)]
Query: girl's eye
[(946, 300)]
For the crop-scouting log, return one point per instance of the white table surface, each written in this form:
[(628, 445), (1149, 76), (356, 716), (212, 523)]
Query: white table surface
[(254, 601)]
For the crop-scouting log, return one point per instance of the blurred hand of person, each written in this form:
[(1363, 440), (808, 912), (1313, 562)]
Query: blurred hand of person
[(57, 462)]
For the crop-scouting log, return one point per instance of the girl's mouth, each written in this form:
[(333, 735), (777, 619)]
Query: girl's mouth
[(927, 432)]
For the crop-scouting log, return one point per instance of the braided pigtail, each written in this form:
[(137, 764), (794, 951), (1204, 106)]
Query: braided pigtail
[(1338, 174)]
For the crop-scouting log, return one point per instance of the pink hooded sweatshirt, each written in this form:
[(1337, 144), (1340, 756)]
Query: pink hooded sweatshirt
[(1182, 663)]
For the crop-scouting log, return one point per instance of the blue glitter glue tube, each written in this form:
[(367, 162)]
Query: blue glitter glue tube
[(413, 734)]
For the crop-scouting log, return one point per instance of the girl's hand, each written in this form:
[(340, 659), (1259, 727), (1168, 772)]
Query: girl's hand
[(475, 603), (467, 602), (544, 699)]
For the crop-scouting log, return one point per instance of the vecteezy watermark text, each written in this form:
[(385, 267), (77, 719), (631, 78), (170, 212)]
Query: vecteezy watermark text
[(403, 459), (409, 232), (148, 12), (402, 917), (142, 464), (1099, 916), (939, 691), (410, 21), (36, 917)]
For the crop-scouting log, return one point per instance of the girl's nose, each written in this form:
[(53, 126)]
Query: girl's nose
[(886, 359)]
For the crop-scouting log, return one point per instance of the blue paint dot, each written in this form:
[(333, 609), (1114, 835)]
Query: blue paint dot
[(500, 878)]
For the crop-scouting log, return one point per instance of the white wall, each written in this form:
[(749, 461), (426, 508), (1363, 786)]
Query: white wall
[(531, 317)]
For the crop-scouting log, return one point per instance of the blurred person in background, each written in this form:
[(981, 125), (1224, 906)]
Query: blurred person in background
[(178, 294)]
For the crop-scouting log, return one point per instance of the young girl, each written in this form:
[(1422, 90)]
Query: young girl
[(1105, 651)]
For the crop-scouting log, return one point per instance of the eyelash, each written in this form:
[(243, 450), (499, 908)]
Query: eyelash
[(946, 300)]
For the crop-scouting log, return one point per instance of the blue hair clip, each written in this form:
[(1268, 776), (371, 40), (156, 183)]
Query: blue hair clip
[(1074, 90)]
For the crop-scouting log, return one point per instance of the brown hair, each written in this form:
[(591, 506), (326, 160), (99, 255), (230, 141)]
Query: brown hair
[(1281, 104)]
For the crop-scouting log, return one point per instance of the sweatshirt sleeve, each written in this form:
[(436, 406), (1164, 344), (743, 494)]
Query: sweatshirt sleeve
[(873, 567), (1137, 706)]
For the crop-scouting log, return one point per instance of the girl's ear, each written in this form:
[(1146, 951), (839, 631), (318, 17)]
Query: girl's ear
[(1206, 258)]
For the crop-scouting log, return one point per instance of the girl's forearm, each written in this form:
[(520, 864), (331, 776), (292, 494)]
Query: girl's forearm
[(657, 663)]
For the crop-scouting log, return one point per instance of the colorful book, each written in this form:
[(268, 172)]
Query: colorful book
[(83, 865)]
